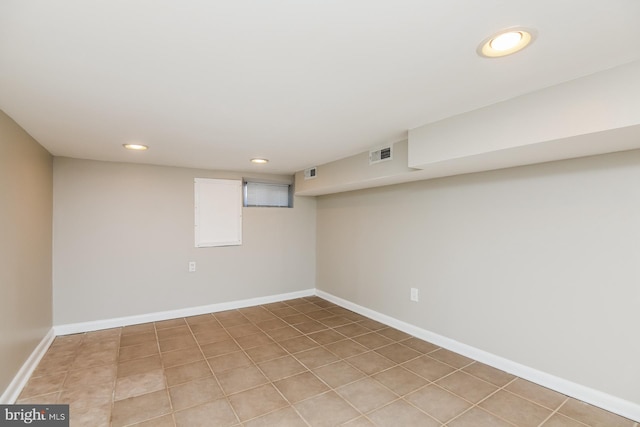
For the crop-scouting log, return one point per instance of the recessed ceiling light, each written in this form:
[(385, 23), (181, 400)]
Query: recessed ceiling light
[(136, 147), (259, 161), (506, 42)]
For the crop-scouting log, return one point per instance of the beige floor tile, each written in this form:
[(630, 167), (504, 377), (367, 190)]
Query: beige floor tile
[(163, 421), (417, 344), (451, 358), (195, 393), (352, 330), (372, 340), (476, 417), (45, 384), (316, 357), (138, 351), (138, 329), (231, 318), (99, 375), (177, 331), (366, 394), (254, 340), (393, 334), (438, 403), (229, 361), (338, 373), (139, 366), (217, 413), (136, 385), (256, 402), (300, 387), (140, 408), (265, 352), (205, 326), (211, 336), (296, 319), (94, 416), (137, 339), (181, 357), (185, 373), (558, 420), (41, 399), (538, 394), (400, 413), (400, 381), (310, 327), (346, 348), (359, 422), (370, 362), (50, 365), (207, 318), (489, 374), (170, 323), (100, 358), (271, 324), (335, 321), (398, 352), (177, 343), (219, 348), (285, 417), (90, 371), (87, 397), (428, 368), (372, 324), (592, 416), (240, 379), (282, 334), (295, 345), (326, 336), (319, 314), (327, 409), (282, 367), (307, 308), (243, 330), (515, 409), (285, 311), (467, 386)]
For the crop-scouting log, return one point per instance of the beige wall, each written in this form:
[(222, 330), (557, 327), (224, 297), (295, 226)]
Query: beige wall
[(123, 237), (26, 199), (537, 264)]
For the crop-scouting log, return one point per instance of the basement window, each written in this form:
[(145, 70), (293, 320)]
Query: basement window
[(267, 194)]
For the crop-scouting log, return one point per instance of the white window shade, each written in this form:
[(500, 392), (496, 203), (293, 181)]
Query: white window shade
[(267, 194)]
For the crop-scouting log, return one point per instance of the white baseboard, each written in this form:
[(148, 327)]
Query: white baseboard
[(96, 325), (20, 380), (594, 397)]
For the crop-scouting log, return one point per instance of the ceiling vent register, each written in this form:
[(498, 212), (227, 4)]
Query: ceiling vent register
[(381, 155)]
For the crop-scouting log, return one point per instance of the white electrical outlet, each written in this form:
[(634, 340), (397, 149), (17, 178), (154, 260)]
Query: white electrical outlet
[(192, 266), (415, 294)]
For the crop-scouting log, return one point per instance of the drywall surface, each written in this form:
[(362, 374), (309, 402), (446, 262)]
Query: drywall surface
[(537, 264), (124, 237), (26, 201)]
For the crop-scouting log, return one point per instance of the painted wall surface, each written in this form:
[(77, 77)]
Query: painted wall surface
[(26, 200), (537, 264), (124, 235)]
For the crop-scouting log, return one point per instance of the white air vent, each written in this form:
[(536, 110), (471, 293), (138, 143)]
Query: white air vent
[(381, 155), (310, 173)]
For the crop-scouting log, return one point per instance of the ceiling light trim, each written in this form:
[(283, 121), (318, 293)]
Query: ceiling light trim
[(486, 48)]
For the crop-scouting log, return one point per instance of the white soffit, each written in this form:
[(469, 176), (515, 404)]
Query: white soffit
[(588, 107)]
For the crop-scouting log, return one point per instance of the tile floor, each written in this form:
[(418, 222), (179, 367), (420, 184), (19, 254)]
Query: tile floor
[(303, 362)]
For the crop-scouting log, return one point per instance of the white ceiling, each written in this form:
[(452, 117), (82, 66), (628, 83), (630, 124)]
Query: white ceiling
[(211, 83)]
